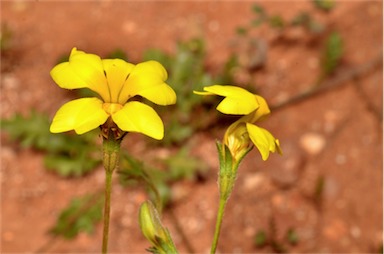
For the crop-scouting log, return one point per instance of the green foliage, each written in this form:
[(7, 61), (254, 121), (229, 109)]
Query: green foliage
[(179, 166), (184, 166), (118, 53), (292, 236), (305, 20), (133, 172), (332, 53), (80, 215), (276, 21), (67, 155), (260, 14), (262, 238), (324, 5), (5, 37)]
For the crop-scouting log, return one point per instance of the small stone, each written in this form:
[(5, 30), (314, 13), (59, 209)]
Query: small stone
[(253, 181), (287, 170), (312, 143), (331, 119), (334, 230), (8, 236), (340, 159), (179, 192), (129, 27), (355, 231)]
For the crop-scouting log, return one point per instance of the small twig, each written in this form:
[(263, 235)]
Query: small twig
[(181, 232), (335, 82), (370, 106)]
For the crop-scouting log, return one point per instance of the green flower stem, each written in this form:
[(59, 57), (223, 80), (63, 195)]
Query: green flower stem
[(111, 149), (107, 208), (220, 214)]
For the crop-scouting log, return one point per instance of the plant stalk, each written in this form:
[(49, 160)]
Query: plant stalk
[(107, 209), (111, 150), (220, 214)]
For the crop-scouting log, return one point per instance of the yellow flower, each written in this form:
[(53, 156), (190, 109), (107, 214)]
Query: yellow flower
[(240, 136), (116, 82)]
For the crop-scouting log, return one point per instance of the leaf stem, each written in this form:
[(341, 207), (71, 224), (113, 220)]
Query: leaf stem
[(220, 214)]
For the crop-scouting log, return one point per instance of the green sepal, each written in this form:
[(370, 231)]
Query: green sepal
[(227, 175), (237, 163), (228, 168)]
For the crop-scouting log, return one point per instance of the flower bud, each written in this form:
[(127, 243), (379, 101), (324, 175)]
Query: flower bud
[(237, 140), (153, 230)]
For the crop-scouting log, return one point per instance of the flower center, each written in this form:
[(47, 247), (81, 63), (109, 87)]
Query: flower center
[(112, 108)]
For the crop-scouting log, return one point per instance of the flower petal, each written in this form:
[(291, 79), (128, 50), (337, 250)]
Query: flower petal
[(263, 140), (138, 117), (81, 115), (237, 101), (82, 70), (117, 72), (147, 80), (259, 114)]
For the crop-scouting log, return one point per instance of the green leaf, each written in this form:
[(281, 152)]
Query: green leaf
[(258, 9), (66, 154), (292, 236), (325, 5), (183, 165), (118, 53), (242, 31), (80, 215), (6, 36), (276, 22), (332, 53), (132, 172), (260, 238)]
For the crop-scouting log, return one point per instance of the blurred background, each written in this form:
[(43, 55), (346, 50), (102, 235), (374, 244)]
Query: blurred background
[(318, 64)]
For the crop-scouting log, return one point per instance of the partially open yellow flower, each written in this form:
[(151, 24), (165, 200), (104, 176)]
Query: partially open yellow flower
[(242, 133), (116, 82)]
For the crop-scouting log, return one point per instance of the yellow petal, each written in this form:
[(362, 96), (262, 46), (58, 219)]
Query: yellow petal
[(82, 70), (147, 80), (203, 93), (259, 114), (263, 140), (138, 117), (81, 115), (117, 72), (237, 101)]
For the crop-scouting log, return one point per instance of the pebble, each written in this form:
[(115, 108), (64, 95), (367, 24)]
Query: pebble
[(312, 143), (334, 230), (287, 169), (253, 181), (8, 236), (331, 118), (355, 232)]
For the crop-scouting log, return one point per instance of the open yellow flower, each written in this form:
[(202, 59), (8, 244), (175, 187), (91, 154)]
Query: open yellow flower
[(242, 133), (116, 82)]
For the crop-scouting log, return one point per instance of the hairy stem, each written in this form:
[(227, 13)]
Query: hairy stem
[(107, 209), (220, 214), (111, 149)]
